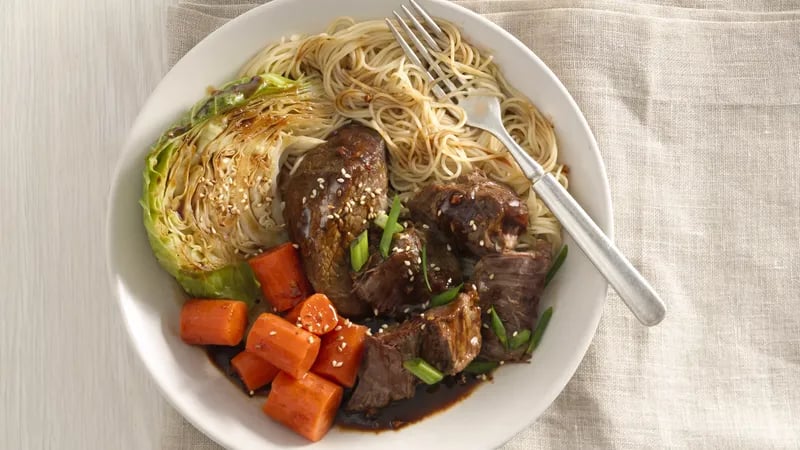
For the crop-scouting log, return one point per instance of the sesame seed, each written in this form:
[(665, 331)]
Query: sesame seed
[(411, 278), (481, 243), (344, 345), (360, 184), (419, 260), (273, 333), (474, 340), (437, 269), (422, 327), (422, 315), (425, 226), (380, 330), (344, 172), (369, 333), (502, 362), (299, 325), (340, 180), (514, 334), (385, 326), (485, 325), (338, 328), (340, 338), (348, 176), (311, 339), (407, 262), (320, 180), (410, 273), (363, 221), (295, 246), (405, 311), (449, 248), (339, 364), (330, 216), (375, 311), (491, 276)]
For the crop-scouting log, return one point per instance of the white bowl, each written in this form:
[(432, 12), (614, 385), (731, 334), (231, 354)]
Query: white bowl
[(151, 300)]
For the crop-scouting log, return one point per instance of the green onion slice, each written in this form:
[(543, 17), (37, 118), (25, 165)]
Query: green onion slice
[(380, 220), (388, 230), (425, 267), (540, 327), (481, 367), (522, 337), (424, 371), (562, 255), (359, 251), (498, 327), (446, 297)]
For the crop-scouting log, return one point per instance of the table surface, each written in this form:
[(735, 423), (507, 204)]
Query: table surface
[(73, 76), (77, 73)]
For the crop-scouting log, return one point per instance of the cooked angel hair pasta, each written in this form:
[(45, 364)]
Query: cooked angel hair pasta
[(364, 72)]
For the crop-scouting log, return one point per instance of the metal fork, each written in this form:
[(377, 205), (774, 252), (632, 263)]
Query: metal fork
[(483, 112)]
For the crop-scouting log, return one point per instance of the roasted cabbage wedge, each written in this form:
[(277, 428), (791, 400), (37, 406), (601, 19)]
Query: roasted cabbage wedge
[(210, 193)]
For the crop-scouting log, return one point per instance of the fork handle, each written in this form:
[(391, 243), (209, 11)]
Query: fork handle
[(631, 286)]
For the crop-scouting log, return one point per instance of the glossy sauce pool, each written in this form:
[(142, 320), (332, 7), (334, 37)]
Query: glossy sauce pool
[(427, 401)]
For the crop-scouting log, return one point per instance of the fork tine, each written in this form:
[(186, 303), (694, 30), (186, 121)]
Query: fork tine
[(422, 31), (429, 20), (437, 91), (426, 54)]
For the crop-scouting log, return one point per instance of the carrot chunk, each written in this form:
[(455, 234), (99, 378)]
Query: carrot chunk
[(213, 322), (315, 314), (254, 371), (281, 276), (282, 344), (341, 352), (307, 405)]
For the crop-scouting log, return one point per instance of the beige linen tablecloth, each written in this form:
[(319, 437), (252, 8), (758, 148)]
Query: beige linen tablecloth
[(696, 109)]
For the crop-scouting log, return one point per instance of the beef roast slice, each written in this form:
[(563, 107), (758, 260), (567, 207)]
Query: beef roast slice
[(390, 285), (481, 216), (452, 335), (329, 199), (382, 378), (512, 284)]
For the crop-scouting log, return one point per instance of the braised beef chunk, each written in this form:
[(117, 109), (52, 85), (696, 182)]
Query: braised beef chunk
[(387, 285), (382, 378), (511, 283), (448, 337), (390, 285), (452, 334), (331, 196), (480, 215), (444, 269)]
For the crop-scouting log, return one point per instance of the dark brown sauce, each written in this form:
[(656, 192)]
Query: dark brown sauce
[(427, 401)]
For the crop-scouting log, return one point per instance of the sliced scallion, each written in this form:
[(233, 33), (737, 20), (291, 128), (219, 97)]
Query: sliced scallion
[(521, 338), (540, 327), (422, 370), (380, 220), (562, 255), (425, 267), (498, 327), (388, 230), (359, 251), (481, 367), (446, 297)]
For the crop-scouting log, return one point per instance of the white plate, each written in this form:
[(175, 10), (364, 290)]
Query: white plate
[(150, 299)]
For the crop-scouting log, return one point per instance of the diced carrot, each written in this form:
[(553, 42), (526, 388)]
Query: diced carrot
[(307, 405), (254, 371), (281, 276), (341, 352), (213, 322), (316, 314), (282, 344)]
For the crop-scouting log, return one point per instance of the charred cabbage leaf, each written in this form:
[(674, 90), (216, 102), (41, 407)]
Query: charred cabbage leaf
[(210, 197)]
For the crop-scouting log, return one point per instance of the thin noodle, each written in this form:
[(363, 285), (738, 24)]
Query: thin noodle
[(363, 72)]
